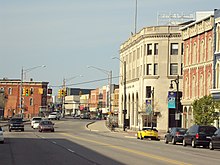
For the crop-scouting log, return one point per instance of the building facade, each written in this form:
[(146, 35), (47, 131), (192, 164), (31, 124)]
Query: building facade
[(198, 71), (152, 58), (34, 97)]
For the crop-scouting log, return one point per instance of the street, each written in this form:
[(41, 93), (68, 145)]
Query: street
[(73, 143)]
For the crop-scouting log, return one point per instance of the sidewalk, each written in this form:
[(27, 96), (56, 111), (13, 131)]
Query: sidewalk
[(100, 126)]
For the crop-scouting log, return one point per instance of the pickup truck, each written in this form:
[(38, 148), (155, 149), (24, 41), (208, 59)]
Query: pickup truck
[(16, 124)]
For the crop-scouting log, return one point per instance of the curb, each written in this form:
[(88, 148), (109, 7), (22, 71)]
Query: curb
[(87, 125)]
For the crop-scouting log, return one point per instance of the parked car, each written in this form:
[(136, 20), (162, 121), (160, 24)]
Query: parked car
[(54, 116), (215, 140), (16, 124), (1, 135), (46, 125), (35, 120), (199, 135), (175, 135), (148, 132)]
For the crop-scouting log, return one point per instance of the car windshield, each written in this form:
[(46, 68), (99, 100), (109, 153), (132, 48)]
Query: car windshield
[(181, 130), (207, 130), (16, 120), (46, 123), (150, 129), (37, 118)]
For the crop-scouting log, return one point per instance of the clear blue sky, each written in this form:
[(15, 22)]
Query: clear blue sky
[(69, 35)]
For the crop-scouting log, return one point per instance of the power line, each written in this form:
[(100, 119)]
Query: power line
[(85, 82)]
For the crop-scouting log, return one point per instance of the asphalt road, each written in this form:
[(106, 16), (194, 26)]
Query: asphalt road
[(72, 143)]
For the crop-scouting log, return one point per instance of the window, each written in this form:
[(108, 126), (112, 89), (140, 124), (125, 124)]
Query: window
[(9, 91), (174, 49), (31, 101), (149, 69), (155, 69), (149, 49), (174, 69), (156, 49), (32, 91), (148, 91), (181, 69), (2, 90)]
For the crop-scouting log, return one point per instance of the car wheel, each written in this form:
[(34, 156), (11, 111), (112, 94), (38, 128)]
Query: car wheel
[(141, 137), (184, 142), (52, 130), (211, 145), (173, 141), (22, 130), (138, 136), (165, 140), (40, 130), (193, 144), (9, 130)]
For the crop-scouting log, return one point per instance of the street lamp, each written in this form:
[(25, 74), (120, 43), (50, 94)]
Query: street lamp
[(176, 81), (124, 77), (23, 72), (109, 73)]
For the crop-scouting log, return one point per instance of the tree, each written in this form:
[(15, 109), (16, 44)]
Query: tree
[(204, 110)]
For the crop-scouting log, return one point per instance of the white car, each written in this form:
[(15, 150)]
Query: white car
[(34, 120), (36, 124), (1, 135), (54, 116)]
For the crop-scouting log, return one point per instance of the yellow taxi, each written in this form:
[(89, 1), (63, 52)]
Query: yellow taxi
[(148, 132)]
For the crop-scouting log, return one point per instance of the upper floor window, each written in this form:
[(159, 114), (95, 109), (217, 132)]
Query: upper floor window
[(149, 49), (174, 69), (31, 102), (32, 91), (149, 69), (174, 48), (156, 49), (9, 91), (155, 69)]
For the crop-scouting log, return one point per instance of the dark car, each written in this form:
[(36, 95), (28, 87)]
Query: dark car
[(199, 135), (175, 135), (46, 125), (16, 124), (215, 140)]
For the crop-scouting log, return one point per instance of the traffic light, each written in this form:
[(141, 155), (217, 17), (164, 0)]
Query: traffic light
[(27, 92), (62, 92), (59, 93), (23, 91)]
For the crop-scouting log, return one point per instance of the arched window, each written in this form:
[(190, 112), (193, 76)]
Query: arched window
[(209, 55), (201, 86), (186, 88), (31, 102), (202, 55), (9, 91), (194, 53), (194, 87), (187, 55)]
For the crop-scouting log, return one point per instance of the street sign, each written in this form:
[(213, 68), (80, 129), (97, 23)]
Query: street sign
[(171, 99)]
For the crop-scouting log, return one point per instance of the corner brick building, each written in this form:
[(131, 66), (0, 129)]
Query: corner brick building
[(33, 103)]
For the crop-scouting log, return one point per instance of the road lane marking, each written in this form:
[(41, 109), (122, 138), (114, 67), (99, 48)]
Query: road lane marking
[(152, 156), (70, 150)]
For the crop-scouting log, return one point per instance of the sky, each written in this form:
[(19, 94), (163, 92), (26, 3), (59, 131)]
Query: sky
[(67, 36)]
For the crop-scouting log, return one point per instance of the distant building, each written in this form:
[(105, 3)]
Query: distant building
[(34, 97)]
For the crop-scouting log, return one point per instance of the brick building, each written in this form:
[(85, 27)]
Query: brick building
[(34, 97), (198, 62)]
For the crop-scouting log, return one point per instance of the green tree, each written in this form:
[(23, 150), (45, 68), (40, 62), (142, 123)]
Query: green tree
[(204, 110)]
